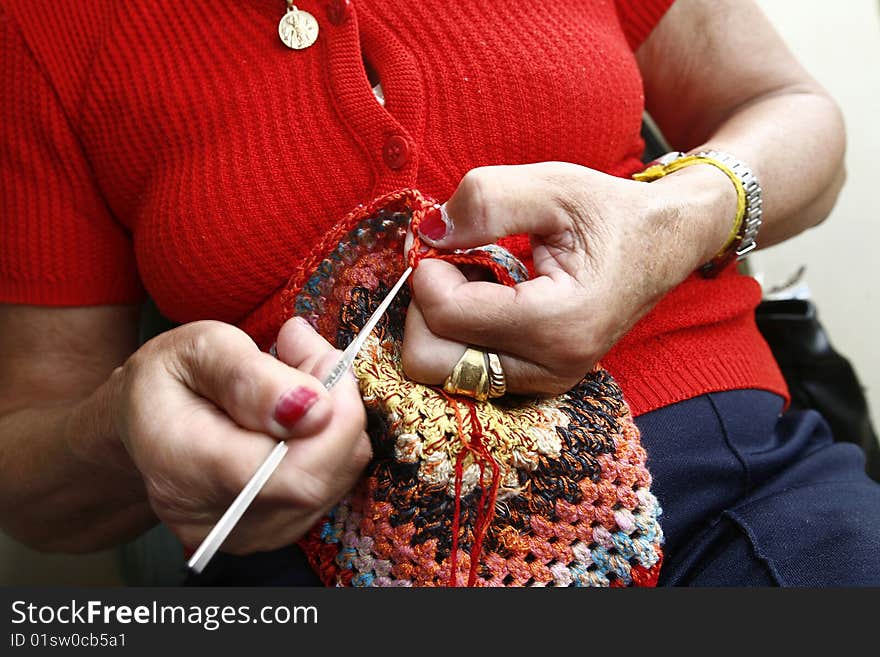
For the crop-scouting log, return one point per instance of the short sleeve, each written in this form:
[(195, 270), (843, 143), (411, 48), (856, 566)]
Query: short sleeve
[(59, 244), (638, 18)]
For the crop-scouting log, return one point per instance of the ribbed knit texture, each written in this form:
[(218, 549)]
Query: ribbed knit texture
[(181, 148)]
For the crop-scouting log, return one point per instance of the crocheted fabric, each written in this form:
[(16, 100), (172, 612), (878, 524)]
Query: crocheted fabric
[(509, 492)]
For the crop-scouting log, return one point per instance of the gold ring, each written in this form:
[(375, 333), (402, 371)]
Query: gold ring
[(470, 376), (497, 380)]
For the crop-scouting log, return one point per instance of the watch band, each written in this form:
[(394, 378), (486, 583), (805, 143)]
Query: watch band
[(753, 215), (743, 236)]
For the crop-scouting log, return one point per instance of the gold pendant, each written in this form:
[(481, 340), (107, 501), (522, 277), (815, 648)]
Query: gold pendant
[(298, 29)]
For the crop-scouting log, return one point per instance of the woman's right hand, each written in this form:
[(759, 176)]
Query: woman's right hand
[(198, 409)]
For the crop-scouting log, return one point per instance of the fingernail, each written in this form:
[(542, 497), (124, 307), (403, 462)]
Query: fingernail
[(294, 404), (436, 223), (303, 321)]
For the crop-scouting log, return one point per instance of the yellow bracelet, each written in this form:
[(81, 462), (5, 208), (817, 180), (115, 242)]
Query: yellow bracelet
[(659, 170)]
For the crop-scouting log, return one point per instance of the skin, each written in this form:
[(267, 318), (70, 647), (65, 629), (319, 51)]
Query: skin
[(173, 433), (98, 438)]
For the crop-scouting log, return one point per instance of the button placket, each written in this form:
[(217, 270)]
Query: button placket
[(389, 145), (338, 11)]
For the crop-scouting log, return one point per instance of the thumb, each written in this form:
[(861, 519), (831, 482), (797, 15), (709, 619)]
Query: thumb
[(497, 201), (257, 391), (300, 346)]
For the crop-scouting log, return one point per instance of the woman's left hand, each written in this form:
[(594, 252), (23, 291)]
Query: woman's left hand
[(605, 250)]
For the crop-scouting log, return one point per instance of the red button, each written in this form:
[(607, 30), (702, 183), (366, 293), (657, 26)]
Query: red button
[(338, 11), (396, 152)]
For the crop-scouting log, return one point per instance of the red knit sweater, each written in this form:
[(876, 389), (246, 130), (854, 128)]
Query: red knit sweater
[(180, 148)]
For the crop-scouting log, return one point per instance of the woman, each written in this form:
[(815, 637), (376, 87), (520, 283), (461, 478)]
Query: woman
[(183, 148)]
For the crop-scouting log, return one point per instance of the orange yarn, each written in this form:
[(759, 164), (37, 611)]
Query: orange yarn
[(419, 251)]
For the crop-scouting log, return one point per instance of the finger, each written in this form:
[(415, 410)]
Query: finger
[(301, 346), (259, 392), (321, 469), (315, 473), (295, 496), (471, 272), (193, 457), (427, 357), (430, 359), (280, 518), (220, 464), (319, 466), (285, 511), (515, 320), (493, 202)]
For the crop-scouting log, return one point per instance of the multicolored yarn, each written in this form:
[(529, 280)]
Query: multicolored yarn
[(509, 492)]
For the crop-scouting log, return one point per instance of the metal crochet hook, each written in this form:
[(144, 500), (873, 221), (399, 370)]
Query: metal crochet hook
[(227, 522)]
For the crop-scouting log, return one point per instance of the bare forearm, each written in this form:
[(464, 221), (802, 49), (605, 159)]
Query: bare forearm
[(795, 144), (91, 431), (67, 484), (718, 76)]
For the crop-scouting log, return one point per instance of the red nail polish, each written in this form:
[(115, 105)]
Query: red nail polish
[(433, 225), (293, 404)]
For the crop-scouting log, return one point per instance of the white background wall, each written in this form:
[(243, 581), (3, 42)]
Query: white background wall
[(839, 42)]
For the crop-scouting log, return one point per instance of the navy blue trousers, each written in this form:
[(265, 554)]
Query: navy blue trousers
[(754, 498), (750, 498)]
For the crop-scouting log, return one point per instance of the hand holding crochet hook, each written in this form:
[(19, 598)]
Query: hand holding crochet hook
[(341, 370), (204, 406)]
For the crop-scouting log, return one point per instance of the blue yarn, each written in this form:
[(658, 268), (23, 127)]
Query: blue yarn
[(345, 558), (579, 572), (624, 544), (363, 579)]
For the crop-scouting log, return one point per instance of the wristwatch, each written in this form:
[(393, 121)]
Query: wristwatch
[(743, 238)]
